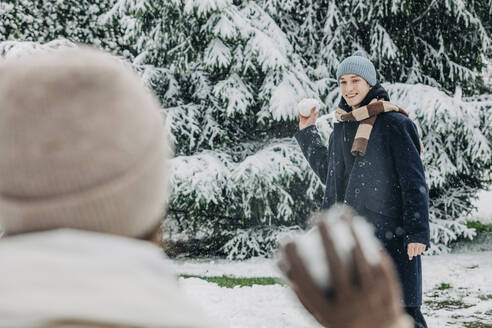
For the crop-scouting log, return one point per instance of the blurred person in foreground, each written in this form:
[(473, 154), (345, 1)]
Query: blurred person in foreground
[(373, 164), (82, 147)]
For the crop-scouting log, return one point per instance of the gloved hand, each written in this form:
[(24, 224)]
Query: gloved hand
[(363, 296)]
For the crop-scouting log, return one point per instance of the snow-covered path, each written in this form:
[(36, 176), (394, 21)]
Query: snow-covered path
[(457, 287)]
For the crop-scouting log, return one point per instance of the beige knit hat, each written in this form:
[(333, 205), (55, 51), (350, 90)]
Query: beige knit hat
[(82, 146)]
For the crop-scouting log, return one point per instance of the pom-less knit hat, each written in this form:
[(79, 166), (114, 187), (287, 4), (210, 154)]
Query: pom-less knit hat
[(359, 65), (82, 145)]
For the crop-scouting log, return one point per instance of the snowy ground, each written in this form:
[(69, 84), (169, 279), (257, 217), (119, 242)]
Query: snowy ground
[(457, 288)]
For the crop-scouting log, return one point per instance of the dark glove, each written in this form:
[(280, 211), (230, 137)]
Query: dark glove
[(364, 296)]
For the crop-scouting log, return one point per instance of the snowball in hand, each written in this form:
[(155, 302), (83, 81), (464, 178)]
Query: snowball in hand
[(311, 250), (305, 105)]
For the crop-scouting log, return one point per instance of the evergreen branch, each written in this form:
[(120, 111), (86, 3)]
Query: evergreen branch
[(211, 217), (424, 13)]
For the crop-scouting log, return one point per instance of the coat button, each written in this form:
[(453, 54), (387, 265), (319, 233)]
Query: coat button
[(357, 190), (331, 173), (361, 164)]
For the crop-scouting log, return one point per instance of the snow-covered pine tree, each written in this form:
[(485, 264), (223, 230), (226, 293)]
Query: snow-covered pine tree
[(317, 31), (438, 43), (45, 21), (229, 81), (228, 76)]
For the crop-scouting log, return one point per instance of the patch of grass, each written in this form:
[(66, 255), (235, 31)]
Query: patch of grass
[(480, 229), (447, 304), (479, 226), (444, 286), (230, 282), (477, 324), (485, 297)]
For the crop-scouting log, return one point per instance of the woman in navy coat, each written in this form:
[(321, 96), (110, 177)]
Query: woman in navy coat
[(385, 182)]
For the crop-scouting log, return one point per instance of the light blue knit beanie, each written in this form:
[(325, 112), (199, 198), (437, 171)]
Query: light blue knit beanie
[(359, 65)]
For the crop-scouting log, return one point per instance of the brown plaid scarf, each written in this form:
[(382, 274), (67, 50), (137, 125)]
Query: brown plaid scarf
[(367, 115)]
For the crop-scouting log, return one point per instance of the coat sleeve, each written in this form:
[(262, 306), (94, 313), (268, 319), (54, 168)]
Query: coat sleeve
[(316, 153), (405, 148)]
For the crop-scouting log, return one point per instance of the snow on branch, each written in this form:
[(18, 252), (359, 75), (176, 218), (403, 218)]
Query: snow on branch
[(204, 7), (200, 178), (449, 126), (15, 49), (217, 54), (225, 28), (257, 189), (382, 43), (235, 93), (262, 241)]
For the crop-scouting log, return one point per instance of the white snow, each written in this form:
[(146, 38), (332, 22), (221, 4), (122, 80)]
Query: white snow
[(484, 204), (305, 105), (258, 306), (217, 54), (468, 299)]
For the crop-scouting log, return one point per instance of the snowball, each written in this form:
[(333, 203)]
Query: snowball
[(305, 105), (311, 250)]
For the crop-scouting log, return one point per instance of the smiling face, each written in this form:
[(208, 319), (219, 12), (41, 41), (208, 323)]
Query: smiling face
[(354, 89)]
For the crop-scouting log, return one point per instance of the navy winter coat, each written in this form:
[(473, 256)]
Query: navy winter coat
[(387, 186)]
